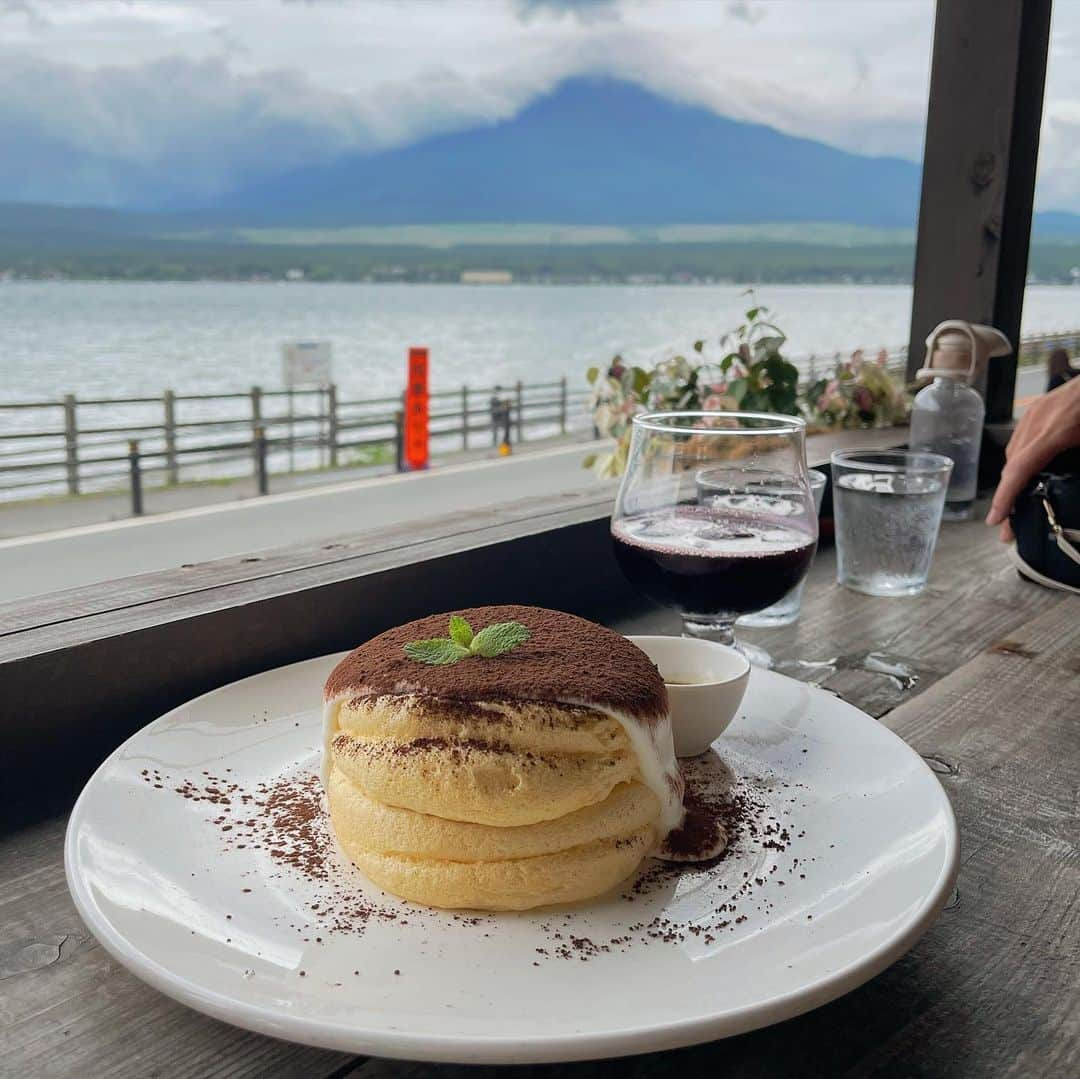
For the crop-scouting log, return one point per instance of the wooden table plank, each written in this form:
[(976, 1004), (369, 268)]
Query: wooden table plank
[(71, 615), (990, 990), (1009, 725), (994, 988), (73, 1011)]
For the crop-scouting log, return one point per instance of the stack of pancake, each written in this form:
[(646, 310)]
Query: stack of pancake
[(543, 775)]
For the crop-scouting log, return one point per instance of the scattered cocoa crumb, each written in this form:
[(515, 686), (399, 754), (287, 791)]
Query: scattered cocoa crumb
[(286, 820), (702, 834)]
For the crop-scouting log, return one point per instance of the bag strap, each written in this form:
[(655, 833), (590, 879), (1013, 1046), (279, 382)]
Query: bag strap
[(1035, 575), (1063, 536)]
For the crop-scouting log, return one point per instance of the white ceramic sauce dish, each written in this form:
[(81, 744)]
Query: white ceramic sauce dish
[(705, 683)]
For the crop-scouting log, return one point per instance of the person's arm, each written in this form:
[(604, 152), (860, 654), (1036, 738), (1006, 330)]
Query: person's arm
[(1049, 425)]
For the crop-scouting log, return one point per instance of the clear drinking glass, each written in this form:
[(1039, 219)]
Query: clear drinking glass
[(887, 505), (786, 611), (715, 516)]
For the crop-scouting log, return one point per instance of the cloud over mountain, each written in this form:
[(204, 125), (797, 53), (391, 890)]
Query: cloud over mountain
[(595, 151), (182, 99), (179, 100)]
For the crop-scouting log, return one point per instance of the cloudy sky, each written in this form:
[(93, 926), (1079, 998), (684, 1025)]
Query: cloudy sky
[(115, 101)]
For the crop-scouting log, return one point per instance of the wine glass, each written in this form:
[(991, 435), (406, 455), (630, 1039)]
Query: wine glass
[(715, 515)]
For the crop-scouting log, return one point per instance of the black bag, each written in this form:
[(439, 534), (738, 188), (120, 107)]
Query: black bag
[(1046, 523)]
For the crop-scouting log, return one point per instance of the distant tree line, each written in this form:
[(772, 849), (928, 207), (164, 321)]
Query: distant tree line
[(177, 260)]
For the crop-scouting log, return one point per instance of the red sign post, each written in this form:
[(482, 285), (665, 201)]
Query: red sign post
[(416, 410)]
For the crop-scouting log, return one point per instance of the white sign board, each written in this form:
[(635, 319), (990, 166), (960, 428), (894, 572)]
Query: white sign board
[(306, 363)]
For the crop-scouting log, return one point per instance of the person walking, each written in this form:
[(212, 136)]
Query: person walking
[(1058, 369)]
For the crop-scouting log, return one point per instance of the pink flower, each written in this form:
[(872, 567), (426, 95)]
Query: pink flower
[(714, 402), (863, 398)]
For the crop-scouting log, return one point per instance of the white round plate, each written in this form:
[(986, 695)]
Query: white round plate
[(870, 862)]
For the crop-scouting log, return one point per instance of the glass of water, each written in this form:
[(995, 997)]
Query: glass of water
[(786, 611), (887, 506)]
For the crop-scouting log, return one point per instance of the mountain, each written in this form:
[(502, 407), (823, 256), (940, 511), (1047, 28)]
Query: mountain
[(594, 151), (597, 163)]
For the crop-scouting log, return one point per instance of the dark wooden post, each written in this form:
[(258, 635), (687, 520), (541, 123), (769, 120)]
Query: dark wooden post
[(399, 439), (1034, 48), (519, 406), (982, 140), (71, 444), (562, 405), (464, 417), (172, 466), (262, 478), (256, 409), (136, 478), (332, 422), (292, 441)]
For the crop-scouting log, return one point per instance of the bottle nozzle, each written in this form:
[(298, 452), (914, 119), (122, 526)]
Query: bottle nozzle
[(958, 349)]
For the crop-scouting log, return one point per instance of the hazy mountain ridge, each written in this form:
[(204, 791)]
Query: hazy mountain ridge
[(594, 151), (599, 180)]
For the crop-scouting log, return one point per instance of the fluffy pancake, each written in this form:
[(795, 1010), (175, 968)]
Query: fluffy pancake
[(542, 775), (486, 775), (566, 659), (363, 823), (515, 884), (522, 725)]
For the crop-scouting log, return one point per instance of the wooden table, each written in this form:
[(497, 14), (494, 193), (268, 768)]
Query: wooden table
[(992, 989)]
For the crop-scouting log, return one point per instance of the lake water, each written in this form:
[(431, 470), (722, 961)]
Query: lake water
[(106, 338)]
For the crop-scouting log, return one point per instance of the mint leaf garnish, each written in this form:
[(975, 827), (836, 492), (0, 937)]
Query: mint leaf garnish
[(494, 640), (438, 652), (499, 638)]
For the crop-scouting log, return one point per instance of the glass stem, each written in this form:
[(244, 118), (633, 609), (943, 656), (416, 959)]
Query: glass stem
[(710, 627)]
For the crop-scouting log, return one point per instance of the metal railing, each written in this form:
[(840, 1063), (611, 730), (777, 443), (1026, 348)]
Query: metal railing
[(815, 365), (80, 445), (1034, 349)]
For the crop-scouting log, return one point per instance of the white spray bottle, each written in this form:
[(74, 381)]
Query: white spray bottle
[(947, 416)]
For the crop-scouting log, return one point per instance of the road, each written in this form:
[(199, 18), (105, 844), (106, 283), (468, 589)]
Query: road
[(1030, 381), (31, 565)]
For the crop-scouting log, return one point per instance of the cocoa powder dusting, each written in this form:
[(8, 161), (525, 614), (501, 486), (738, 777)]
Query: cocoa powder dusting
[(565, 658), (285, 821), (701, 835)]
